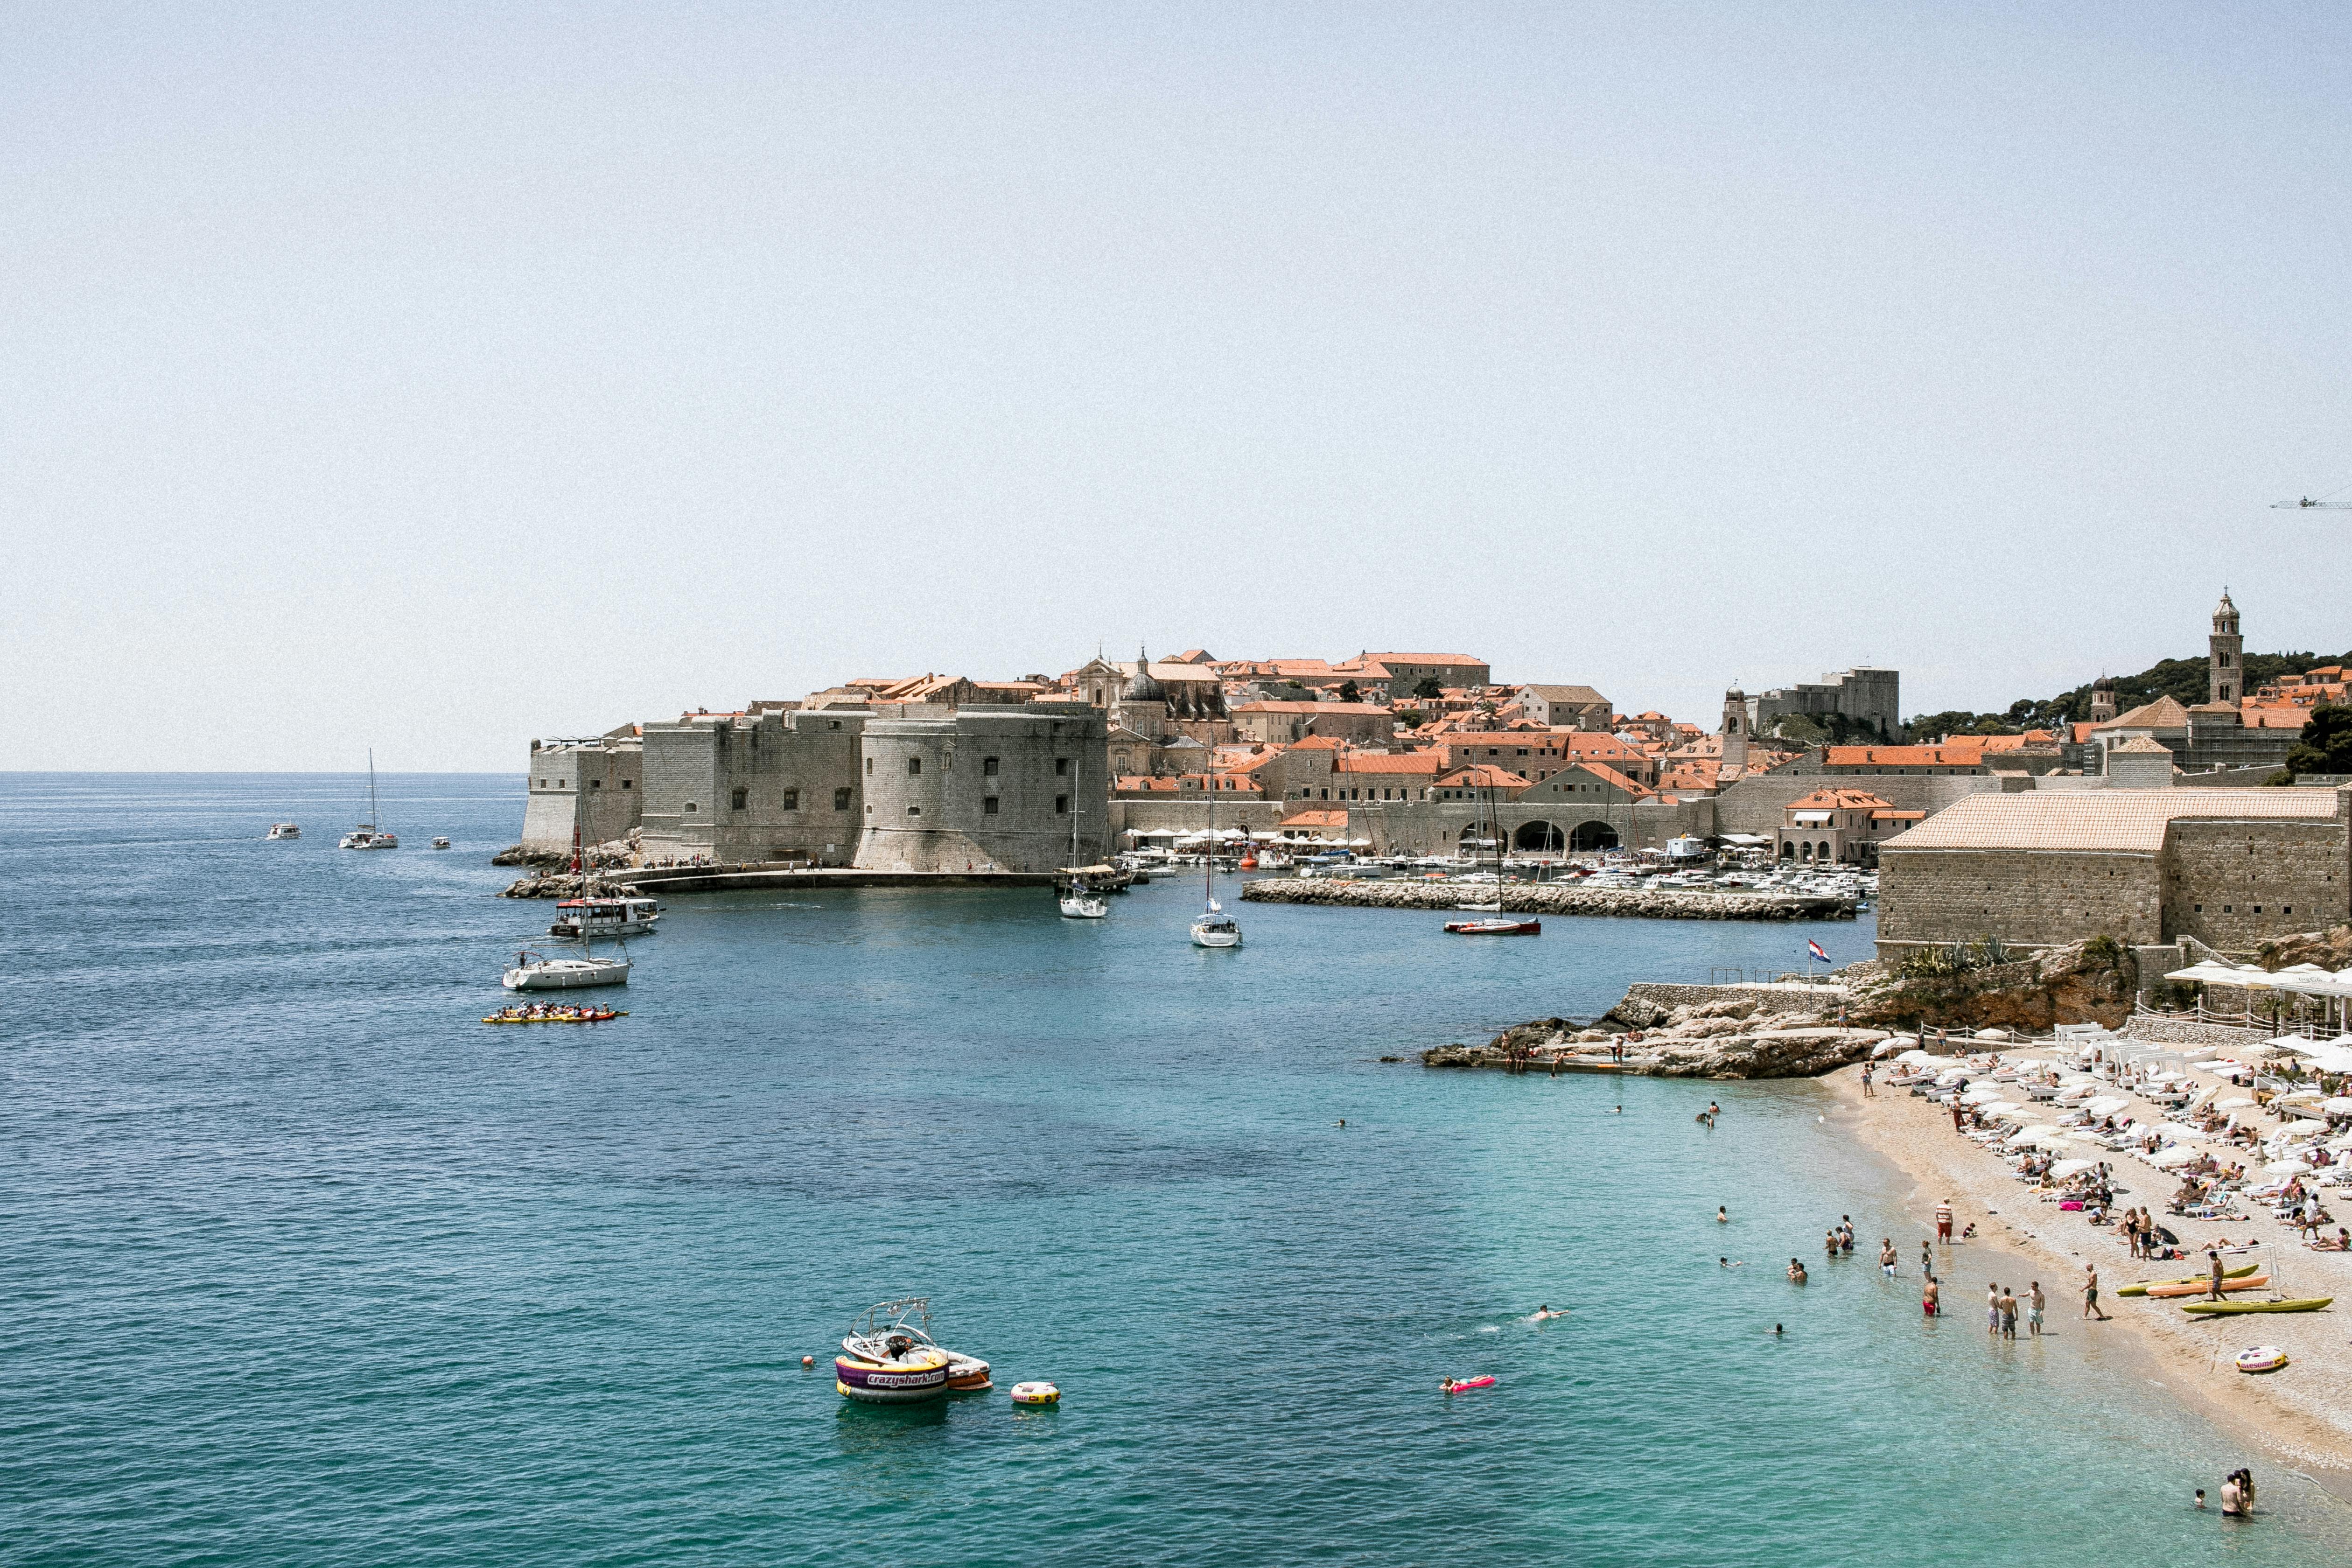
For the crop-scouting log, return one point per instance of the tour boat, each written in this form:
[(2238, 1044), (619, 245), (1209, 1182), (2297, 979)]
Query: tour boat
[(533, 972), (284, 830), (366, 836), (605, 917), (889, 1357), (1495, 928)]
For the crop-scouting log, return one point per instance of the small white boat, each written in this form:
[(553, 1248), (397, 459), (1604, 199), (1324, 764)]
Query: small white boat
[(605, 917), (533, 972), (1083, 903), (284, 830), (441, 844)]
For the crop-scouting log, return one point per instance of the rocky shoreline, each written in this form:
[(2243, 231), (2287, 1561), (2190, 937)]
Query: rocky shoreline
[(1551, 898), (1741, 1032), (565, 885)]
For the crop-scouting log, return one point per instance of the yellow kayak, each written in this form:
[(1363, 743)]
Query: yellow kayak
[(2143, 1288), (557, 1018), (2199, 1286)]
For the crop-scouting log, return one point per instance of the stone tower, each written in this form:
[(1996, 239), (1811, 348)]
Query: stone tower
[(2102, 700), (2225, 672), (1735, 732)]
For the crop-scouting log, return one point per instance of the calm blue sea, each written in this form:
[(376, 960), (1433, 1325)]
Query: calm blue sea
[(299, 1264)]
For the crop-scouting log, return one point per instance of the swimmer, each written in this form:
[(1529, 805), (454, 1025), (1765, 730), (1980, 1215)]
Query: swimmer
[(1778, 1331), (1727, 1263), (1619, 1111), (1446, 1384), (1796, 1272), (1342, 1121), (1545, 1313), (1722, 1216)]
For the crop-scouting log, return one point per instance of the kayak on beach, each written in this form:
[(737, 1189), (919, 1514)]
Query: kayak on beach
[(2305, 1304), (2194, 1287), (2145, 1286)]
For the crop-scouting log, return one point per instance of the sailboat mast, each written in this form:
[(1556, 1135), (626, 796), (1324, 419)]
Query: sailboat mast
[(373, 817)]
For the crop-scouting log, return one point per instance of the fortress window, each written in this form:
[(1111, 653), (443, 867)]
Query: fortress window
[(841, 798), (869, 766), (628, 783), (988, 765), (988, 805), (595, 784), (1061, 767), (833, 724), (1061, 806), (792, 800), (914, 811), (914, 766), (691, 807), (739, 799)]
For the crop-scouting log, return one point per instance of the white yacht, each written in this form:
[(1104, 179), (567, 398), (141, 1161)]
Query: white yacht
[(1078, 899), (366, 836), (605, 917), (534, 972), (284, 830), (440, 844), (1216, 928)]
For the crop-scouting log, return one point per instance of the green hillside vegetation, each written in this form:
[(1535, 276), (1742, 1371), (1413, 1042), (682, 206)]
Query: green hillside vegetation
[(2183, 680)]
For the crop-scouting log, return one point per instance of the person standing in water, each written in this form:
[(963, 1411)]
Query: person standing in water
[(1887, 1255), (2034, 1304), (1928, 1295), (2091, 1293)]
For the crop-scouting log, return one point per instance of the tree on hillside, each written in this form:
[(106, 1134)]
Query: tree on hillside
[(1428, 688), (2326, 743), (1350, 692)]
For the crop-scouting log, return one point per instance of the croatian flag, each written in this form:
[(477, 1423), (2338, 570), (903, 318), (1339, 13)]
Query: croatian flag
[(1813, 949)]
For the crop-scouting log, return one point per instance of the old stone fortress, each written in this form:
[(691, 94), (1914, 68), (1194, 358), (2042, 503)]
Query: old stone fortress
[(2152, 825)]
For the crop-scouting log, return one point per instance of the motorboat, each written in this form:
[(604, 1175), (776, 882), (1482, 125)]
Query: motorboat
[(283, 830), (605, 917), (535, 972), (889, 1357), (441, 844), (367, 836), (1495, 928)]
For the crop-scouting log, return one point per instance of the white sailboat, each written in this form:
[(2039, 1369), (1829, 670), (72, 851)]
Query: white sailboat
[(1491, 905), (1077, 901), (535, 972), (1214, 928), (366, 836)]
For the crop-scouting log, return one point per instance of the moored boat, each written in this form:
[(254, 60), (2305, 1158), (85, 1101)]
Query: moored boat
[(889, 1358), (367, 835), (440, 844), (1495, 928), (283, 830)]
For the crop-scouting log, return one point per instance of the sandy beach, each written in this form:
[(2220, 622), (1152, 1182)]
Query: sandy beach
[(2302, 1414)]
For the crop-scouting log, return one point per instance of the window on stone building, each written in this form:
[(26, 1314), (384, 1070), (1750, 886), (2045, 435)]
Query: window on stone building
[(1061, 806), (988, 765), (988, 805), (914, 811), (628, 783), (841, 798), (869, 766), (792, 800), (595, 784), (690, 806), (1061, 767), (833, 723), (914, 766), (739, 799)]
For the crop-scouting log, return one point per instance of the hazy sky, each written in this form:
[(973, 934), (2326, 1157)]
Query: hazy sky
[(431, 378)]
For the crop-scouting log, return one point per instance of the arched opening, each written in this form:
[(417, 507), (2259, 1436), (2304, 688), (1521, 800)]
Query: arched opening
[(1805, 853), (1788, 849), (1592, 836), (1475, 838), (1539, 838), (1822, 854)]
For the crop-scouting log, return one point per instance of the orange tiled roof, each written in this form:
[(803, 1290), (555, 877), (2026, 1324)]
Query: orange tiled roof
[(1956, 754), (1841, 800)]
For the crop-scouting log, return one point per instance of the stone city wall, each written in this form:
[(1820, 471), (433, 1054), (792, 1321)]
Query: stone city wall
[(2235, 885), (2027, 898)]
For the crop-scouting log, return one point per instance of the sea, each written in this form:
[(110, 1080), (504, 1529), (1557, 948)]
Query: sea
[(301, 1264)]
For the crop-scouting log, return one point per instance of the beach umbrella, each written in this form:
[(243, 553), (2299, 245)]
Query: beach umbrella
[(2338, 1105), (2066, 1168), (1915, 1055), (2179, 1154), (2235, 1102), (1886, 1049), (2285, 1168), (2107, 1105)]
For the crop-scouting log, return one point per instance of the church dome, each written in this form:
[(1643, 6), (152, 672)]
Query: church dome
[(1141, 686)]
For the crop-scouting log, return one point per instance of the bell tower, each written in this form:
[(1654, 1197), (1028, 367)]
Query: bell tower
[(2102, 700), (1735, 731), (2225, 674)]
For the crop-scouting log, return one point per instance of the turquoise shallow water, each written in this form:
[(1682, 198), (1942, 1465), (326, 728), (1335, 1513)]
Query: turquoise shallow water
[(303, 1264)]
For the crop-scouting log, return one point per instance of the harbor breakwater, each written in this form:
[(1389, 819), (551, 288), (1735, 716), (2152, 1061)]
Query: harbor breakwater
[(1685, 1031), (1554, 899)]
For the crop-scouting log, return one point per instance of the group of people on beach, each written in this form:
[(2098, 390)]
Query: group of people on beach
[(2237, 1495)]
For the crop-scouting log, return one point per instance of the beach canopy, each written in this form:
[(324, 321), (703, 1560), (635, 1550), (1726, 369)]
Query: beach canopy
[(2066, 1168), (2107, 1105), (1915, 1055), (2178, 1154), (2235, 1102), (2338, 1105)]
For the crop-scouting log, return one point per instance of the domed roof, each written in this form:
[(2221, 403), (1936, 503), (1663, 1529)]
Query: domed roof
[(1141, 686)]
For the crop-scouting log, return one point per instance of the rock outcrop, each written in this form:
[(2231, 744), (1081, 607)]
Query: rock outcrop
[(2092, 982), (617, 853), (564, 885), (1733, 1038), (1551, 898)]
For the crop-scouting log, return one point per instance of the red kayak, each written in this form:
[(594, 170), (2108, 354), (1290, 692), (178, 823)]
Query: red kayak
[(1495, 928)]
